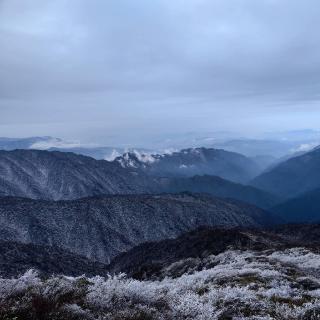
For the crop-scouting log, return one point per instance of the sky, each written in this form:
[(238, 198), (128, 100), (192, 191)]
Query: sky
[(121, 71)]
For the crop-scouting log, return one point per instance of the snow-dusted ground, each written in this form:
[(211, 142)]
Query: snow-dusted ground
[(239, 285)]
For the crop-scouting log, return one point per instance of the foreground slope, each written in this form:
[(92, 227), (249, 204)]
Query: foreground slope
[(102, 227), (292, 177), (251, 285)]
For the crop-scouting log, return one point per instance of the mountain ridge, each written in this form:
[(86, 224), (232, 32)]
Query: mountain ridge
[(292, 177), (64, 175), (194, 161)]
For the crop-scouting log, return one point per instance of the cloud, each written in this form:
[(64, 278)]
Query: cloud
[(54, 143), (305, 147), (150, 65)]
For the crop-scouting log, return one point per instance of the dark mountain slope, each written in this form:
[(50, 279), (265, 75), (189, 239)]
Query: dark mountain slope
[(149, 259), (16, 258), (298, 234), (220, 188), (292, 177), (59, 175), (102, 227), (196, 161), (189, 252), (305, 208)]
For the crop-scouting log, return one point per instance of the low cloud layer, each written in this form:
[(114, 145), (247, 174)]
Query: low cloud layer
[(120, 69)]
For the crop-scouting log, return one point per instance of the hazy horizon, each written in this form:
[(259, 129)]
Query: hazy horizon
[(273, 144)]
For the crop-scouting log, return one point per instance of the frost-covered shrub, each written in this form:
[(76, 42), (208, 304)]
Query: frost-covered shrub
[(241, 285)]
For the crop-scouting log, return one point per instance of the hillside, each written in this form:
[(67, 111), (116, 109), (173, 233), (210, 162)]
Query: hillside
[(277, 283), (62, 175), (17, 258), (304, 208), (292, 177), (102, 227), (189, 252)]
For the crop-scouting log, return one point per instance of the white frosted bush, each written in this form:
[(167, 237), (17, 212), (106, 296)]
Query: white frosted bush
[(246, 285)]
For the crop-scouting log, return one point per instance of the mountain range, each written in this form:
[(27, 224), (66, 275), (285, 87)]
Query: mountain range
[(54, 175), (96, 209), (61, 175), (56, 144), (268, 147)]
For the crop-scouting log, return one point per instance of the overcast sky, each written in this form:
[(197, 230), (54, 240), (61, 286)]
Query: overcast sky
[(117, 70)]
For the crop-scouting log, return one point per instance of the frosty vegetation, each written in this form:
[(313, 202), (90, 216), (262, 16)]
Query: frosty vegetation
[(235, 285)]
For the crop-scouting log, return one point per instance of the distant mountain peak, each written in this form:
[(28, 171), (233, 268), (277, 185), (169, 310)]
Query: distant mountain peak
[(193, 161), (136, 159)]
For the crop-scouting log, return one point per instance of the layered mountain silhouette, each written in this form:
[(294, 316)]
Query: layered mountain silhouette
[(61, 175), (102, 227), (195, 161), (293, 177)]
